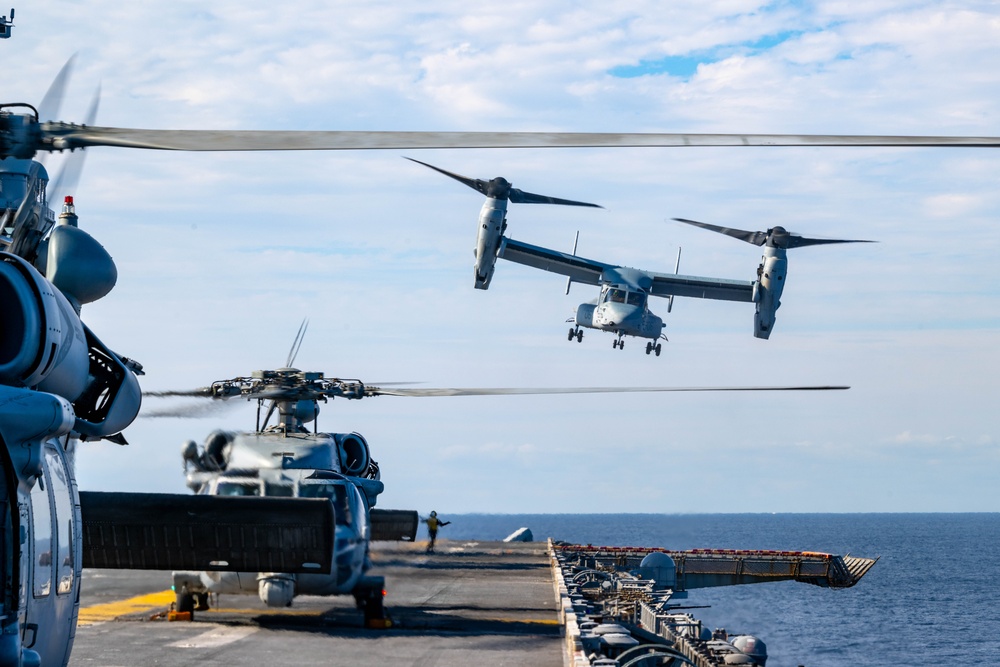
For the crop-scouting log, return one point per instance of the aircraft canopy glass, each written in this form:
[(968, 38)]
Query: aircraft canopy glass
[(336, 493), (238, 489), (616, 295)]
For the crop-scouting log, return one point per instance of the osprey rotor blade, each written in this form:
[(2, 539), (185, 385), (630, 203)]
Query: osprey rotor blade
[(474, 183), (756, 238), (499, 188), (519, 391), (776, 237), (522, 197), (795, 241)]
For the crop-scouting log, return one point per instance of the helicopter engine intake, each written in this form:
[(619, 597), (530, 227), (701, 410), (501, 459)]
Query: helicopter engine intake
[(354, 454), (44, 345)]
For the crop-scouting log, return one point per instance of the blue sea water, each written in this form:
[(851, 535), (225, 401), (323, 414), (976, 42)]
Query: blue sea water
[(932, 599)]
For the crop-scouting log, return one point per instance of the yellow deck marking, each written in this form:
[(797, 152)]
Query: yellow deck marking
[(109, 611)]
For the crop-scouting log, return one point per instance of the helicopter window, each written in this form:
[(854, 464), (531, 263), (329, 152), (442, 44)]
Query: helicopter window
[(64, 521), (337, 493), (238, 489), (636, 299), (41, 528), (615, 295), (278, 490)]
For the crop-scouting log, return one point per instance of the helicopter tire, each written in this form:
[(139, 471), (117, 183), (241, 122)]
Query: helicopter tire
[(572, 334), (614, 344), (185, 602), (657, 349), (649, 348), (621, 345), (579, 336)]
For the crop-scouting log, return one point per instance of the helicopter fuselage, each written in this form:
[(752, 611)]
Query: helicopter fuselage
[(297, 464)]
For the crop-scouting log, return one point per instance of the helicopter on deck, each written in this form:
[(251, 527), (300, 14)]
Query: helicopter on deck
[(287, 460)]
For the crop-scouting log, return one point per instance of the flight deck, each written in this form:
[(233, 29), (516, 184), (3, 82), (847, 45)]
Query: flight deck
[(485, 603)]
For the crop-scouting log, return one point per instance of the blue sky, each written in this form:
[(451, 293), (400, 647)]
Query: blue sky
[(220, 256)]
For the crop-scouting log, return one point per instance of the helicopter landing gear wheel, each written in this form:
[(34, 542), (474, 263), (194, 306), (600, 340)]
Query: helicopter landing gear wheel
[(579, 336), (649, 348), (572, 334), (614, 344), (657, 349), (184, 602), (620, 344)]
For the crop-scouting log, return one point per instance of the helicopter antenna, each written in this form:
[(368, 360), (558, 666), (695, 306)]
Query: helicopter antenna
[(297, 343)]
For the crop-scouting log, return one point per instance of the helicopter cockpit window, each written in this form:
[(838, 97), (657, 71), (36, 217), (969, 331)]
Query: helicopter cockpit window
[(336, 493), (278, 490), (64, 521), (41, 529), (637, 299), (238, 489), (614, 295)]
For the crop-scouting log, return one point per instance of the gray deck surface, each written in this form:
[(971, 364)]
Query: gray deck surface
[(484, 603)]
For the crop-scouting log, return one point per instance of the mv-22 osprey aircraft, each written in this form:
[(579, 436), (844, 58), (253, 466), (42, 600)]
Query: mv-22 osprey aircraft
[(60, 385), (622, 307)]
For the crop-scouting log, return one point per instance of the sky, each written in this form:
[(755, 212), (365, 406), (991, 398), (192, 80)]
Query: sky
[(221, 256)]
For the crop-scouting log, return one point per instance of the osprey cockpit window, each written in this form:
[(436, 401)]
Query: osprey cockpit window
[(636, 299), (614, 295)]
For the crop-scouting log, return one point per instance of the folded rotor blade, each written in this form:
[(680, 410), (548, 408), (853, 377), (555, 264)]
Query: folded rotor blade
[(756, 238), (57, 136), (522, 197), (518, 391)]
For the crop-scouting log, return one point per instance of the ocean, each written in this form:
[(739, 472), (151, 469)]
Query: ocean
[(932, 599)]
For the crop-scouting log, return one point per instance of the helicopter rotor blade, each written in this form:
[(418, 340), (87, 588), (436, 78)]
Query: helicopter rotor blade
[(517, 391), (58, 136), (48, 108), (69, 176), (297, 343), (197, 410), (203, 392)]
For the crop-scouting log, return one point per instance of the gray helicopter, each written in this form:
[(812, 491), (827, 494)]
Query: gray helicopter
[(622, 307), (287, 460)]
